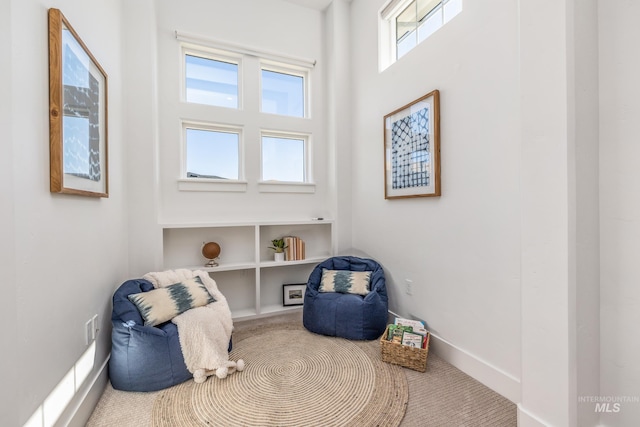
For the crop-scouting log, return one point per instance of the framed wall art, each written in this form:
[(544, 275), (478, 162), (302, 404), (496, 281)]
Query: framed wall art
[(412, 149), (77, 114), (293, 294)]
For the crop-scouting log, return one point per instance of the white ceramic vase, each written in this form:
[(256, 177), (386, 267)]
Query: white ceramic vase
[(278, 256)]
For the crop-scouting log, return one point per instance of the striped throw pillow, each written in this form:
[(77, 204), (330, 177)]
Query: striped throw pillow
[(163, 304), (345, 281)]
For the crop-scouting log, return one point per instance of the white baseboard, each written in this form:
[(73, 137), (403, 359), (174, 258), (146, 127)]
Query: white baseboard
[(489, 375), (497, 380), (78, 413), (527, 419)]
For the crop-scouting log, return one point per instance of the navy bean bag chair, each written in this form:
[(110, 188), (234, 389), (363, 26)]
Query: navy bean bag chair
[(143, 358), (347, 315)]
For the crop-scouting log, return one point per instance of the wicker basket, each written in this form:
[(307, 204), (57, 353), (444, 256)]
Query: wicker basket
[(403, 355)]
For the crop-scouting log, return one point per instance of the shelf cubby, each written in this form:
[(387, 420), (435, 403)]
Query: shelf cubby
[(247, 274)]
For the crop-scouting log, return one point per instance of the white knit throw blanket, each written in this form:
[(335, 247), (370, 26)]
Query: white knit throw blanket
[(204, 332)]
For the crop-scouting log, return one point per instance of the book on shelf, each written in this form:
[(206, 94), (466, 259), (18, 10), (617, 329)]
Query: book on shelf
[(295, 248)]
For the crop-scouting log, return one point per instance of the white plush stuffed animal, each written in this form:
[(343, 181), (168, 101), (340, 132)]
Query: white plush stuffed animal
[(200, 375)]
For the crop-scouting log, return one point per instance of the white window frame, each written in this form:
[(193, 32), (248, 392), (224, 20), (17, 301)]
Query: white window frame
[(211, 184), (251, 62), (278, 67), (214, 55), (387, 46), (308, 186)]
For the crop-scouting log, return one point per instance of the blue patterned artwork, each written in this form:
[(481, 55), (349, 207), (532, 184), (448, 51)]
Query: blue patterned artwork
[(81, 104), (412, 149), (77, 114), (410, 158)]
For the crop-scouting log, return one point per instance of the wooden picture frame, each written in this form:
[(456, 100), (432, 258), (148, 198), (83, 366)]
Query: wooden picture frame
[(78, 155), (412, 149), (293, 294)]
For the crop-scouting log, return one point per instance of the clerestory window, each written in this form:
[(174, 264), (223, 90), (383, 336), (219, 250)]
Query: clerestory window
[(406, 23)]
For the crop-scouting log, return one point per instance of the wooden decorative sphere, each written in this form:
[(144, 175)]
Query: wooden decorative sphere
[(211, 250)]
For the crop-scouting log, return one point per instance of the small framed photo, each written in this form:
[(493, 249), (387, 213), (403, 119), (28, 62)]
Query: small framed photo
[(293, 294), (412, 149)]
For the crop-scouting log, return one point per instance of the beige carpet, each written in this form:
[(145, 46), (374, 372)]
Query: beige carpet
[(442, 396)]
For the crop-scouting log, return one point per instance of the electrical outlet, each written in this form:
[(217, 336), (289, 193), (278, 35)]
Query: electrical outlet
[(91, 329), (88, 332), (408, 286), (94, 326)]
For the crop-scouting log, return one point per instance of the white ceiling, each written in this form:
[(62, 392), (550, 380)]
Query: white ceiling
[(313, 4)]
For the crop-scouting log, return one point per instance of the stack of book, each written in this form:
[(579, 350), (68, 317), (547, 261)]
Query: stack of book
[(294, 248), (408, 332)]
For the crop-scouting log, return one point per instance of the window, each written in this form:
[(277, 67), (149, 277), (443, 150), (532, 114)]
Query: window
[(212, 152), (284, 157), (211, 81), (253, 87), (283, 93), (406, 23)]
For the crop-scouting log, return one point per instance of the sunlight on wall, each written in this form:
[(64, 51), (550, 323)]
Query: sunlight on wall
[(49, 412)]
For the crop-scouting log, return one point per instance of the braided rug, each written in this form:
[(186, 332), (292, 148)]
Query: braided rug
[(295, 378)]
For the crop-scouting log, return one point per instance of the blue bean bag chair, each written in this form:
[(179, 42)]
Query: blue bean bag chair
[(347, 315), (143, 358)]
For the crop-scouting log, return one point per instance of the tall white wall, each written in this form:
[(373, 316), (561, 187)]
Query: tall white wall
[(548, 214), (141, 124), (619, 207), (338, 113), (587, 219), (462, 250), (8, 360), (153, 114), (274, 26), (69, 252)]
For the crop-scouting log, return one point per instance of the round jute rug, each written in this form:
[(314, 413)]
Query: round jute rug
[(292, 378)]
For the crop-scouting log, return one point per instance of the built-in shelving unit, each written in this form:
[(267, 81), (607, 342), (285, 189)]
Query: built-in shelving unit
[(247, 274)]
